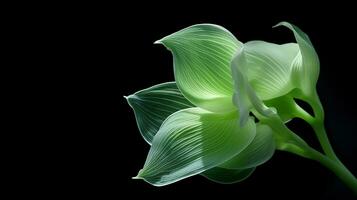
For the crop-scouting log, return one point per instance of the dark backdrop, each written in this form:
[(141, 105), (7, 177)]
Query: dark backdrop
[(112, 54)]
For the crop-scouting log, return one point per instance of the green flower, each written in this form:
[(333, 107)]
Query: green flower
[(193, 125), (204, 122)]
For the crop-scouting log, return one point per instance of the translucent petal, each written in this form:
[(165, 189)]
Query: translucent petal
[(202, 55), (306, 65), (268, 67), (153, 105), (194, 140)]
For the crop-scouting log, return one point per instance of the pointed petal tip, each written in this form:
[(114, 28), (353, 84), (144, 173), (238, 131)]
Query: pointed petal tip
[(283, 23), (131, 96), (129, 99), (158, 41), (137, 177)]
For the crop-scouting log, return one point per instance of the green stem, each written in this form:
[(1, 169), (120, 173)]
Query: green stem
[(317, 123), (288, 141), (320, 131), (337, 168)]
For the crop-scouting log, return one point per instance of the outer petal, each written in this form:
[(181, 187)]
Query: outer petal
[(202, 55), (306, 66), (191, 141), (153, 105)]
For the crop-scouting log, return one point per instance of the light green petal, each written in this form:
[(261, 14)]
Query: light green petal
[(227, 176), (260, 150), (191, 141), (202, 55), (306, 66), (153, 105), (268, 67), (245, 97)]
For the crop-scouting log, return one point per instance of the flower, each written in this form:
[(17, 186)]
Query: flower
[(193, 124)]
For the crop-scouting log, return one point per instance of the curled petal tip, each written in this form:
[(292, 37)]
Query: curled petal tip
[(280, 24)]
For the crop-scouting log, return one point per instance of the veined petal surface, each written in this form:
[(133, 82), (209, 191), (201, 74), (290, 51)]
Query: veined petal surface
[(191, 141), (153, 105), (202, 55)]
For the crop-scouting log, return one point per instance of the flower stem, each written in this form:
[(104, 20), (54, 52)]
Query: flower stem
[(288, 141), (316, 122), (336, 167), (320, 132), (319, 128)]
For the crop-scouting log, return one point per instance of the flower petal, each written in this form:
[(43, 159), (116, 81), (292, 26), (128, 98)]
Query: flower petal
[(306, 65), (227, 176), (153, 105), (202, 55), (260, 150), (268, 67), (191, 141)]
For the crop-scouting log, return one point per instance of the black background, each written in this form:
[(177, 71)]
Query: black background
[(107, 51)]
